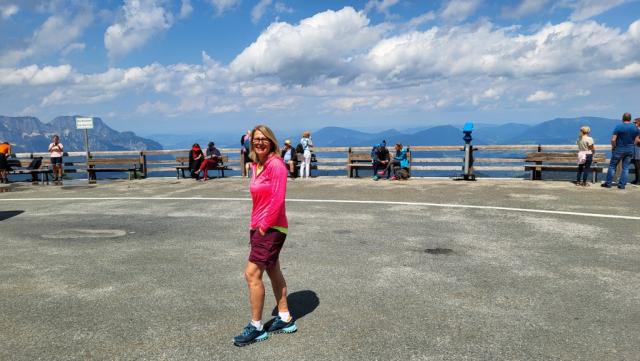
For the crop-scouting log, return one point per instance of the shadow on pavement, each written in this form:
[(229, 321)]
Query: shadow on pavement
[(301, 303), (8, 214)]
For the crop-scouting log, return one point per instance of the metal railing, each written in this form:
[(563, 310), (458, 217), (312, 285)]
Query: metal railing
[(426, 160)]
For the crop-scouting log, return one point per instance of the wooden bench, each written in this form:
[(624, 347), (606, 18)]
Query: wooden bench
[(560, 162), (359, 160), (183, 165), (21, 166), (129, 165)]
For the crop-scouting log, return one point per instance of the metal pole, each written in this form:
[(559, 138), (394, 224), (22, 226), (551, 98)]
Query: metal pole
[(86, 147)]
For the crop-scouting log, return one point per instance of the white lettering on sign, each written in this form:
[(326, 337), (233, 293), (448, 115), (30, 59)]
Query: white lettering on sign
[(84, 123)]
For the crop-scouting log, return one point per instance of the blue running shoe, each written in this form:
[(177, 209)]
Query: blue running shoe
[(279, 326), (249, 335)]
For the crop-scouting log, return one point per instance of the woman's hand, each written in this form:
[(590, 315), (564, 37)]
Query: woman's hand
[(262, 233)]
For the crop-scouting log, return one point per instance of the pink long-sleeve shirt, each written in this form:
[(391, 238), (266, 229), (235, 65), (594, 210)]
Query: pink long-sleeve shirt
[(268, 190)]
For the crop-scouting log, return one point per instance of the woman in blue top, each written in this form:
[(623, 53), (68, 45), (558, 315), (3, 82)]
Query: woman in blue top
[(399, 161), (307, 144)]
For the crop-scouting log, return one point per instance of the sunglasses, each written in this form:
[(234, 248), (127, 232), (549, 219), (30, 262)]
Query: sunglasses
[(261, 140)]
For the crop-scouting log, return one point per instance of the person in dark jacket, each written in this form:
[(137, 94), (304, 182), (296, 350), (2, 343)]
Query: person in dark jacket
[(195, 160), (381, 158)]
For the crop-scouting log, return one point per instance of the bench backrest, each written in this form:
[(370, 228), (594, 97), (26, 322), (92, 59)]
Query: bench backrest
[(358, 156), (24, 162), (550, 157), (114, 161), (185, 160)]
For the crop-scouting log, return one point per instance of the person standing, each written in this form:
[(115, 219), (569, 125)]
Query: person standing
[(623, 141), (307, 144), (636, 156), (245, 145), (5, 150), (269, 227), (56, 149), (195, 160), (586, 149)]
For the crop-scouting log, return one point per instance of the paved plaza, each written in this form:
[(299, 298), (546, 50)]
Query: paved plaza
[(428, 269)]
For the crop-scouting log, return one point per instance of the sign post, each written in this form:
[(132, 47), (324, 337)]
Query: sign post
[(85, 123)]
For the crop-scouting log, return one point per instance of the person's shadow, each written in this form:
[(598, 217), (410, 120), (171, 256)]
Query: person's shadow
[(8, 214), (301, 303)]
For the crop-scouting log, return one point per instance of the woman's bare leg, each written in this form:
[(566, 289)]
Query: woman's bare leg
[(253, 275), (279, 287)]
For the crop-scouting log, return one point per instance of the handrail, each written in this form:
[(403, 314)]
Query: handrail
[(441, 158)]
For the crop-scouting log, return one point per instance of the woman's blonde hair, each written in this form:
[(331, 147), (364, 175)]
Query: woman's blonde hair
[(584, 131), (275, 149), (306, 134)]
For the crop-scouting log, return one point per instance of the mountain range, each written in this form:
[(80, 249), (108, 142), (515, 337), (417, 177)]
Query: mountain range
[(29, 134), (555, 131)]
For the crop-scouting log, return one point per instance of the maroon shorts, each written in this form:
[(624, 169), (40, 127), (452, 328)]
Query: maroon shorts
[(265, 250)]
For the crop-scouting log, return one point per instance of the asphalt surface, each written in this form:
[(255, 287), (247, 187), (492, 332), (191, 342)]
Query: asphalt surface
[(144, 270)]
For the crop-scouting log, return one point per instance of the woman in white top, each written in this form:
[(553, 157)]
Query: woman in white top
[(307, 144), (56, 149), (586, 148)]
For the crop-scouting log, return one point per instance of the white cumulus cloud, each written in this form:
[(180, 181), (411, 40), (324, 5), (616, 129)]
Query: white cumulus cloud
[(586, 9), (140, 20), (526, 7), (185, 9), (8, 10), (300, 53), (34, 75), (223, 5), (630, 71), (459, 10), (55, 34), (541, 96), (259, 9)]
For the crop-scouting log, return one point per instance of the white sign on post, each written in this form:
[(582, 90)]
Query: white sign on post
[(84, 123)]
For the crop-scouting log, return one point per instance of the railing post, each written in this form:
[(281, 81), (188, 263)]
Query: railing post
[(537, 174), (242, 167), (143, 162)]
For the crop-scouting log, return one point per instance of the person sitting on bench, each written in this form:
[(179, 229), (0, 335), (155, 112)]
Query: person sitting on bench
[(211, 161), (195, 160), (288, 155), (380, 157), (399, 163)]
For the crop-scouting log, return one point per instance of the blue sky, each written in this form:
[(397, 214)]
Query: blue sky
[(185, 66)]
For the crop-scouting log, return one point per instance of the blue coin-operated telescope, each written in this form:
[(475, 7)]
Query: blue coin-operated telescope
[(467, 129), (467, 168)]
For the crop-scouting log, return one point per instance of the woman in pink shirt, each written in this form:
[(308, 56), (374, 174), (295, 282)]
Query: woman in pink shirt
[(269, 227)]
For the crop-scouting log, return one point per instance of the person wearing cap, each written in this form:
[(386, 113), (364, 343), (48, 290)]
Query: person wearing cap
[(287, 155), (213, 157), (380, 157)]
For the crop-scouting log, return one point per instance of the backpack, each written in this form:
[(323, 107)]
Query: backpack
[(403, 173), (35, 163), (373, 152)]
